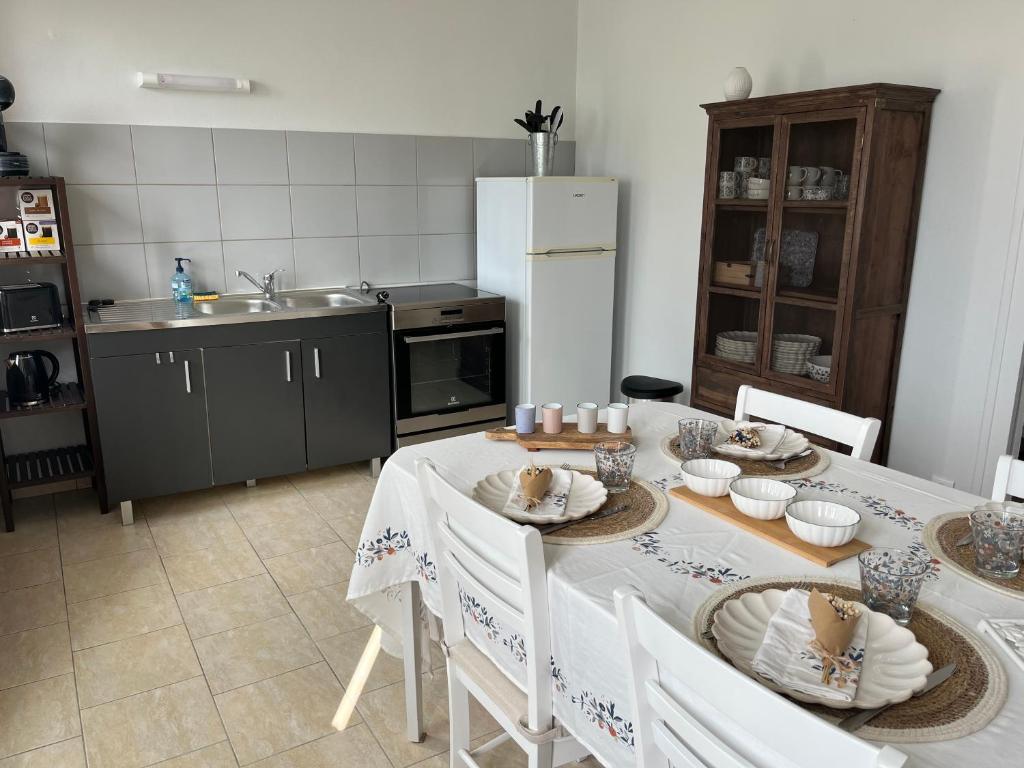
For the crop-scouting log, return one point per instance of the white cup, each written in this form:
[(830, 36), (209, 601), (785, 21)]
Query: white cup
[(794, 193), (618, 417), (586, 418)]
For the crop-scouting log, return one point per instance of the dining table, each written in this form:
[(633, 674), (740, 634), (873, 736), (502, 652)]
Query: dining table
[(688, 557)]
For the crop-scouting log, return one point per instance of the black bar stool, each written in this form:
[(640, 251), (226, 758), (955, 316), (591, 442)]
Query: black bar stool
[(640, 388)]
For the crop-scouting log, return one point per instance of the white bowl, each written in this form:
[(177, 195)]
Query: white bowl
[(709, 477), (761, 498), (819, 367), (823, 523)]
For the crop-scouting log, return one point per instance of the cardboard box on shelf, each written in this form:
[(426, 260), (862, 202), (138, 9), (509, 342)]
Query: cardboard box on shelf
[(36, 205), (12, 238), (41, 236)]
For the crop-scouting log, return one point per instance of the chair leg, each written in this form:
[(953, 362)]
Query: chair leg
[(541, 756), (458, 717)]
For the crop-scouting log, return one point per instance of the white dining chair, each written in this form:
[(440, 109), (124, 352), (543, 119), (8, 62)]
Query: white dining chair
[(1009, 480), (693, 710), (860, 433), (490, 566)]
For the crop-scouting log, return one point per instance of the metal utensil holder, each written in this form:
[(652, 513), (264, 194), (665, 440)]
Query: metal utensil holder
[(542, 150)]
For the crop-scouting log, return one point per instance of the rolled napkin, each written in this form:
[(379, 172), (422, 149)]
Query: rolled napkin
[(792, 656), (540, 491)]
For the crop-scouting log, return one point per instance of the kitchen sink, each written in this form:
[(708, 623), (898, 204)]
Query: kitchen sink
[(319, 300), (234, 306)]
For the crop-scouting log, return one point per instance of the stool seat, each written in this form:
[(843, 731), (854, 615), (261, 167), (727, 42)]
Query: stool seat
[(650, 388)]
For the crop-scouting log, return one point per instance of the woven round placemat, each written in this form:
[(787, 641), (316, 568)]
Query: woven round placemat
[(806, 466), (964, 704), (647, 509), (941, 534)]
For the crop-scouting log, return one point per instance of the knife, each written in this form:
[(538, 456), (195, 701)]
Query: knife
[(935, 679), (545, 530)]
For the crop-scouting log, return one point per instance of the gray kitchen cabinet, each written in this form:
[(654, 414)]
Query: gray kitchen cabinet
[(151, 410), (347, 398), (254, 398)]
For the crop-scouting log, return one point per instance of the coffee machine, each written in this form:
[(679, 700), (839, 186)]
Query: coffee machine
[(11, 163)]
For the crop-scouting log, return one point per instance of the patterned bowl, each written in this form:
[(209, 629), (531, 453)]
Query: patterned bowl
[(819, 368)]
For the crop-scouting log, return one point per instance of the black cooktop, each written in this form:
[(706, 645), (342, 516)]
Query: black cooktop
[(438, 293)]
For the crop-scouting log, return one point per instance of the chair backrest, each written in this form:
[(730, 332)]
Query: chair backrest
[(492, 574), (855, 431), (1009, 480), (693, 709)]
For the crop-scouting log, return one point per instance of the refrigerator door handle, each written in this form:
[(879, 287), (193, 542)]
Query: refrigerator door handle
[(588, 254)]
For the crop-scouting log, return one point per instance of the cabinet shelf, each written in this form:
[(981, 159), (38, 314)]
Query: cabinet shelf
[(817, 206), (735, 290), (27, 258), (743, 204), (55, 465), (63, 398), (46, 334), (806, 297)]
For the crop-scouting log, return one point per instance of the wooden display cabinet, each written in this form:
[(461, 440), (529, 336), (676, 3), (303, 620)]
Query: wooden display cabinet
[(854, 296)]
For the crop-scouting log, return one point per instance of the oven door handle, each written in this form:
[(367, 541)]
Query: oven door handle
[(446, 336)]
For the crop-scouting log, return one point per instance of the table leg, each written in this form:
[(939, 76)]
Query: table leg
[(411, 631)]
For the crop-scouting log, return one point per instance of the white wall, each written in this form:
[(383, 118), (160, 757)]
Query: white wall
[(644, 68), (443, 67)]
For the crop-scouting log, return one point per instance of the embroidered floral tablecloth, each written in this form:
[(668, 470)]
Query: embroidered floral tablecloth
[(677, 566)]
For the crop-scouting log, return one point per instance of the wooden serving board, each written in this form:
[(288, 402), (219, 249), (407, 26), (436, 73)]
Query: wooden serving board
[(569, 439), (775, 531)]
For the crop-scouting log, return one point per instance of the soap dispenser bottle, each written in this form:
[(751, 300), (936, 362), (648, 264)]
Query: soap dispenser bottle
[(181, 282)]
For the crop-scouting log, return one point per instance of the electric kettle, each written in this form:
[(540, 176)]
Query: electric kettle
[(28, 383)]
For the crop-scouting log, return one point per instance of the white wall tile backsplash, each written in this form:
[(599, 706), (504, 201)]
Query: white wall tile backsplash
[(331, 208)]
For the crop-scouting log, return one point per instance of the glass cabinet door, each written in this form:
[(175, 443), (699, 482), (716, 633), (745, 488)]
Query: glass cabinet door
[(808, 254), (739, 216)]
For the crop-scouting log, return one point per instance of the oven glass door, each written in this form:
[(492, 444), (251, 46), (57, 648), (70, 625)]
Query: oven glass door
[(446, 370)]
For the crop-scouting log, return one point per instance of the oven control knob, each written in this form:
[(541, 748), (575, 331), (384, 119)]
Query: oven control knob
[(382, 296)]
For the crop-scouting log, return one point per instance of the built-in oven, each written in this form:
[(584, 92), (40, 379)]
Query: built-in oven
[(449, 370)]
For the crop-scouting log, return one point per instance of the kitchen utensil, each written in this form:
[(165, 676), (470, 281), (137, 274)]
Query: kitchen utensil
[(781, 463), (934, 680), (822, 523), (546, 529), (895, 666), (29, 306), (696, 436), (586, 418), (709, 477), (760, 497), (614, 460), (998, 533), (526, 418), (551, 416), (819, 368), (28, 383), (618, 418), (890, 580), (553, 119), (585, 495)]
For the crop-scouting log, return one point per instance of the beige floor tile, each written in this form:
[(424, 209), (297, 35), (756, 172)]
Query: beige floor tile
[(350, 501), (325, 480), (344, 651), (117, 617), (26, 569), (110, 575), (235, 604), (183, 507), (226, 562), (291, 536), (348, 524), (80, 510), (151, 726), (353, 747), (126, 667), (31, 607), (325, 612), (253, 714), (43, 712), (104, 541), (63, 754), (384, 711), (264, 487), (255, 652), (217, 756), (311, 568), (35, 654), (213, 529), (34, 527), (279, 507)]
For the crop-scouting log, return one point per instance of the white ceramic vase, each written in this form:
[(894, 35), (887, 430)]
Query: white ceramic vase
[(738, 84)]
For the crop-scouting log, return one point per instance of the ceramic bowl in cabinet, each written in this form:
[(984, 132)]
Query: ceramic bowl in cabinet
[(823, 523), (761, 498), (819, 368), (709, 477)]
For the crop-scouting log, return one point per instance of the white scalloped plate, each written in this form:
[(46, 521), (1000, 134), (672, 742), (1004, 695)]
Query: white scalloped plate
[(779, 442), (895, 664), (586, 495)]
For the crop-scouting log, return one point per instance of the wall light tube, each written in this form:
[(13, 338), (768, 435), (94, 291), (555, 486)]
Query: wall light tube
[(162, 80)]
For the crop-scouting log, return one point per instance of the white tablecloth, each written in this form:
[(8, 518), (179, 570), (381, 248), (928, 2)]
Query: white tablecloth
[(677, 566)]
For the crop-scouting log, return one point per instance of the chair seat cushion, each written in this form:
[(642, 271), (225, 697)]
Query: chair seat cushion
[(649, 387)]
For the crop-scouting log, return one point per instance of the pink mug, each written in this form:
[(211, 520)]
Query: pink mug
[(551, 415)]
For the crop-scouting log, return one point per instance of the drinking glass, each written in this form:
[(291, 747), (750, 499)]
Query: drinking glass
[(998, 541), (614, 460), (696, 437), (890, 580)]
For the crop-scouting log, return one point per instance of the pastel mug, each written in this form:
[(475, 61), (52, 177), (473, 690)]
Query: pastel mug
[(551, 417), (586, 418), (526, 418), (794, 192), (618, 418), (811, 175), (745, 164), (796, 175)]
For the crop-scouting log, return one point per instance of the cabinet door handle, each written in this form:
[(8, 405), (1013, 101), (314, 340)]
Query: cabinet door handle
[(170, 356), (188, 378), (288, 365), (316, 362), (158, 358)]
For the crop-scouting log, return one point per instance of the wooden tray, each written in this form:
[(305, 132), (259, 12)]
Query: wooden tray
[(569, 439), (775, 531)]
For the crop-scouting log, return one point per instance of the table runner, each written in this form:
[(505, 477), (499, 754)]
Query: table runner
[(677, 566)]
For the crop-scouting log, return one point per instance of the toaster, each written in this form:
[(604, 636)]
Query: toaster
[(29, 306)]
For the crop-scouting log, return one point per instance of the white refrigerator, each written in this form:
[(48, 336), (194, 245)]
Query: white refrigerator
[(547, 243)]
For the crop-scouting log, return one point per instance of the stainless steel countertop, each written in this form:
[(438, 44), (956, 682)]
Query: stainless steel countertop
[(155, 314)]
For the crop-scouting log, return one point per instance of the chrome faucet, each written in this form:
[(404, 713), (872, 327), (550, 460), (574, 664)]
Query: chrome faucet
[(267, 287)]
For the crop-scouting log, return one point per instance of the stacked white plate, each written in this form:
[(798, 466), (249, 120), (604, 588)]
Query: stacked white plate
[(791, 351), (738, 346)]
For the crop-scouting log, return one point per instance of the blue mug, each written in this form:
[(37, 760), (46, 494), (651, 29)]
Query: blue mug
[(526, 418)]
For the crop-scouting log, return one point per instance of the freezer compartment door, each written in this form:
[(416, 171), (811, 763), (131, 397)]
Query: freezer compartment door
[(569, 213), (569, 328)]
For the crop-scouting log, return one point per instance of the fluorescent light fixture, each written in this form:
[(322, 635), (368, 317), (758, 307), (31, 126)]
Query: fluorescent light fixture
[(163, 80)]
